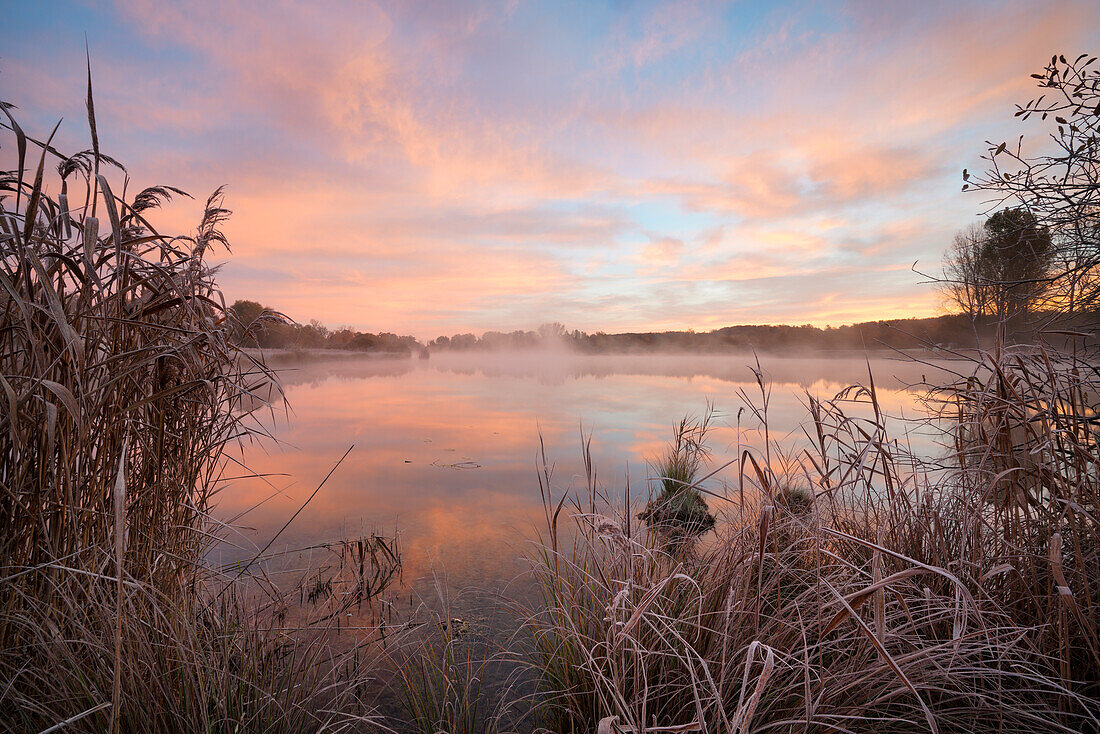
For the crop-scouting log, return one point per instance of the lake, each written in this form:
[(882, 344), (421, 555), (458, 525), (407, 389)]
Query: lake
[(447, 450)]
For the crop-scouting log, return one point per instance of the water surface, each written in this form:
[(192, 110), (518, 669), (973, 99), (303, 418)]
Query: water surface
[(447, 450)]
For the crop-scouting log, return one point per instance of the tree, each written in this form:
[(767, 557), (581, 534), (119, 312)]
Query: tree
[(258, 325), (965, 284), (1018, 255), (999, 269), (551, 332), (1057, 183), (247, 312), (313, 334), (246, 320)]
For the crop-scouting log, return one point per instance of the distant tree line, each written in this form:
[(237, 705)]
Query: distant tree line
[(259, 326), (953, 331), (945, 331), (255, 325)]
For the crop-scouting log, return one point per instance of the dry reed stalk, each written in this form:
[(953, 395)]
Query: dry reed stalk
[(906, 596), (120, 552), (124, 397)]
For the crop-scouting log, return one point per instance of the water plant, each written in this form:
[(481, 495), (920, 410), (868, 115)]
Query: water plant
[(873, 593), (678, 511), (123, 401)]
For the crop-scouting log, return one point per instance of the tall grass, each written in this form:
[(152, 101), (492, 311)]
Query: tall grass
[(123, 399), (677, 508), (890, 596), (1026, 443), (440, 675)]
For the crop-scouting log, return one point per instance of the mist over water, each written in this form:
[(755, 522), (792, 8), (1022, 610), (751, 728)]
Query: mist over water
[(556, 366), (447, 449)]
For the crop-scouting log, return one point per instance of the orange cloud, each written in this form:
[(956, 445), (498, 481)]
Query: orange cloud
[(481, 165)]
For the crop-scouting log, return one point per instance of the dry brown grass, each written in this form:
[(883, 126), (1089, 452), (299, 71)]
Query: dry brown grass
[(123, 402), (900, 597)]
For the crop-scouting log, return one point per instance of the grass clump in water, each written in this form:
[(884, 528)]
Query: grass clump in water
[(678, 511)]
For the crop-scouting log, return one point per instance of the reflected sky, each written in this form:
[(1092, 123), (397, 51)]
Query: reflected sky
[(447, 450)]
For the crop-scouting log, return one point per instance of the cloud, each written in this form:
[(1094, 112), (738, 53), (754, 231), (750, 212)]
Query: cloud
[(660, 253), (664, 30), (466, 166)]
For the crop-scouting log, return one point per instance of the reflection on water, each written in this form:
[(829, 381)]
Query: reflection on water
[(447, 449)]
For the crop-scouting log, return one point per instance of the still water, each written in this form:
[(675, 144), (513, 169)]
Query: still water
[(447, 450)]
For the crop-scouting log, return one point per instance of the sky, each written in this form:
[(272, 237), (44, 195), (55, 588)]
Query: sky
[(442, 167)]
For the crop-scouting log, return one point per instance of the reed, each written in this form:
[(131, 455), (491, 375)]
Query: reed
[(1025, 464), (115, 366), (185, 665), (861, 590), (124, 399), (440, 675)]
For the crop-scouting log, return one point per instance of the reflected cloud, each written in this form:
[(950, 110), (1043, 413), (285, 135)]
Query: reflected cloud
[(448, 451)]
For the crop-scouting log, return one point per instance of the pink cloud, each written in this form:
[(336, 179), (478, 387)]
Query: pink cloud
[(491, 165)]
